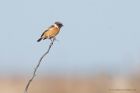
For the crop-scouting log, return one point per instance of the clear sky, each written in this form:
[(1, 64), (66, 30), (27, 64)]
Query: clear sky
[(98, 35)]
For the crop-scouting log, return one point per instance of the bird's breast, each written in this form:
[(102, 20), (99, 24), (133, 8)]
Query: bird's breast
[(52, 32)]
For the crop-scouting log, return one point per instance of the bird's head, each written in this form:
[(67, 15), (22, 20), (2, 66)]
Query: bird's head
[(59, 24)]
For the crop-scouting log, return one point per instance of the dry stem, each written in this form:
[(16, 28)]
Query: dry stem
[(37, 66)]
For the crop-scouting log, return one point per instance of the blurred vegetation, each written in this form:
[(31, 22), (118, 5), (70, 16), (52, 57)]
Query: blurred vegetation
[(101, 83)]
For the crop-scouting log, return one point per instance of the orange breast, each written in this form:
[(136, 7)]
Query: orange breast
[(52, 32)]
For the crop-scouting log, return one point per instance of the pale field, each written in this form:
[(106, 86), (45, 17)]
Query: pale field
[(71, 84)]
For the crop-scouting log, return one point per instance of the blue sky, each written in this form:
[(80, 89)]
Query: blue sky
[(98, 35)]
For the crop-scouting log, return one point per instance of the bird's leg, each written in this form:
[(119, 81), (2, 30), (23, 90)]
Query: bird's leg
[(54, 38)]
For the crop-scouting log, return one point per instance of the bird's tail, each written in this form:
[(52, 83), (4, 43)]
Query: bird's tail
[(39, 39)]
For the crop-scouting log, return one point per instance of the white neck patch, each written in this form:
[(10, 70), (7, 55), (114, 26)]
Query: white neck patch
[(56, 26)]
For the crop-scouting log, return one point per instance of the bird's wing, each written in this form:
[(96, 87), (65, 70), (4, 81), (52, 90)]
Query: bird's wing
[(47, 30)]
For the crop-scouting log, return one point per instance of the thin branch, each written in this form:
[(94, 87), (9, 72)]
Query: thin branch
[(37, 66)]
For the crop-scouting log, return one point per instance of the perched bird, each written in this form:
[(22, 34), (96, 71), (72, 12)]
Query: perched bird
[(51, 32)]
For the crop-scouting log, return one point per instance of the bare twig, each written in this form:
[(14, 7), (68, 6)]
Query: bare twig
[(37, 66)]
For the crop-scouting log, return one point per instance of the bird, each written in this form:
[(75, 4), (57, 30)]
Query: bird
[(51, 32)]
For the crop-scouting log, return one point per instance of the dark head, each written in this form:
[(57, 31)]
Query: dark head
[(59, 24)]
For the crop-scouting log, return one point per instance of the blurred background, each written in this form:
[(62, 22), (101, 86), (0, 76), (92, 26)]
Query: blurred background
[(97, 50)]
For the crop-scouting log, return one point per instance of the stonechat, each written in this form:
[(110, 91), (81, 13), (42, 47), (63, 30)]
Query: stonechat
[(51, 32)]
